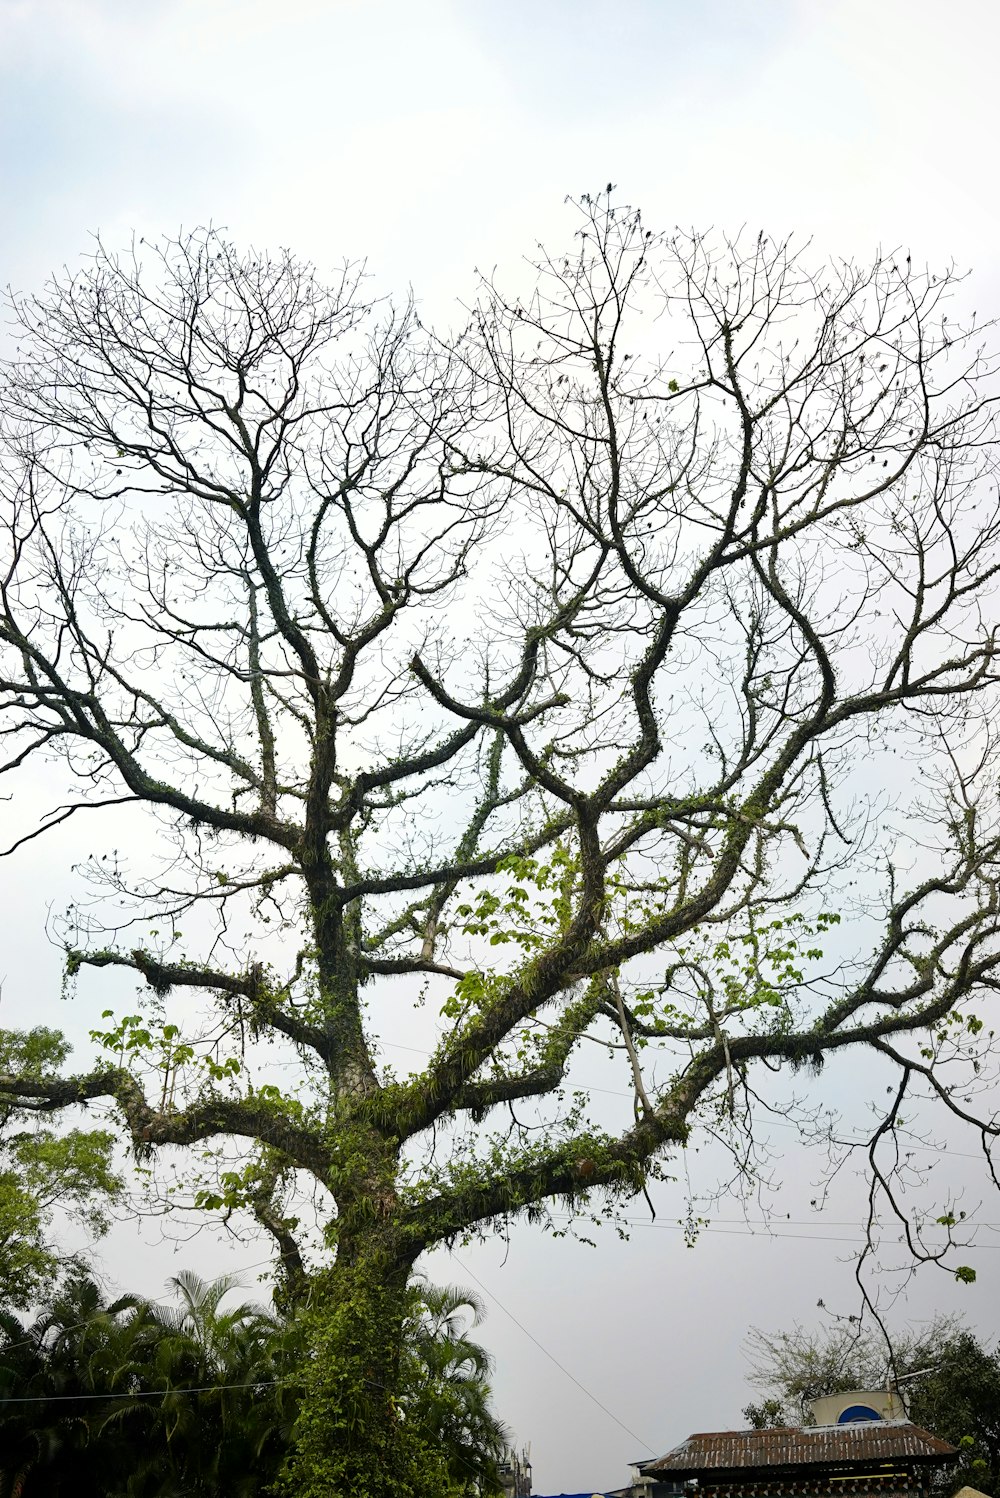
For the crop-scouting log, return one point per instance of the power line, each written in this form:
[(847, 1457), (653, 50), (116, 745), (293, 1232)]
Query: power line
[(774, 1123), (261, 1383), (803, 1222), (752, 1232), (551, 1356)]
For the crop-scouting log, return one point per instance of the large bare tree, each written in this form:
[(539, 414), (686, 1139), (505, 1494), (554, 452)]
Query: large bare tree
[(543, 673)]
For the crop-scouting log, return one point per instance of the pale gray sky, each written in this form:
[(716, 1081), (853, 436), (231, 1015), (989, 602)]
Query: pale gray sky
[(430, 137)]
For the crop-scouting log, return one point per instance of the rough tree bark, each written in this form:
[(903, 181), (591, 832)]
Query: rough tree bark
[(530, 665)]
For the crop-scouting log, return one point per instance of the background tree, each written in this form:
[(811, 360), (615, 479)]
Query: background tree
[(795, 1367), (44, 1172), (768, 1414), (138, 1400), (959, 1399), (948, 1379), (519, 673)]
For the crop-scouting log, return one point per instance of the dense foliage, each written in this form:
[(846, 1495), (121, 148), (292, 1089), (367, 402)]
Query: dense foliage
[(959, 1398), (44, 1172), (197, 1399)]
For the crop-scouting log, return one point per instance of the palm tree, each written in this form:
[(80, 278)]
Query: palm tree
[(20, 1364), (451, 1394), (53, 1439), (152, 1435), (228, 1437), (223, 1339)]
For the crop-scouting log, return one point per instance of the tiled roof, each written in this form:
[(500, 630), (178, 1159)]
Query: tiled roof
[(821, 1445)]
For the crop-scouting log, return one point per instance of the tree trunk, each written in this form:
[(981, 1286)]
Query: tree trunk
[(352, 1438)]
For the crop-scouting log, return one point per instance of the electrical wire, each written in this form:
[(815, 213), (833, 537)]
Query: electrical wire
[(752, 1232), (551, 1356), (774, 1123), (261, 1383)]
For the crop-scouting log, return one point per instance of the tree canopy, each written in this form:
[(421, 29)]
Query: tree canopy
[(541, 674), (43, 1173), (794, 1367), (959, 1398)]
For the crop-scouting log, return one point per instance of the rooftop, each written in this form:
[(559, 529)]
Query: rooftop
[(866, 1441)]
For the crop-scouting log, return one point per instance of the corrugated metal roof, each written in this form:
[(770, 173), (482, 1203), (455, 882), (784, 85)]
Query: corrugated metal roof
[(821, 1445)]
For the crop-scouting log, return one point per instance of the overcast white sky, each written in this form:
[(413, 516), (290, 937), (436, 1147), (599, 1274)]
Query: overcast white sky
[(429, 137)]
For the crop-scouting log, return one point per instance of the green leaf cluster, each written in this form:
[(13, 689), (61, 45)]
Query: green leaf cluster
[(46, 1174)]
